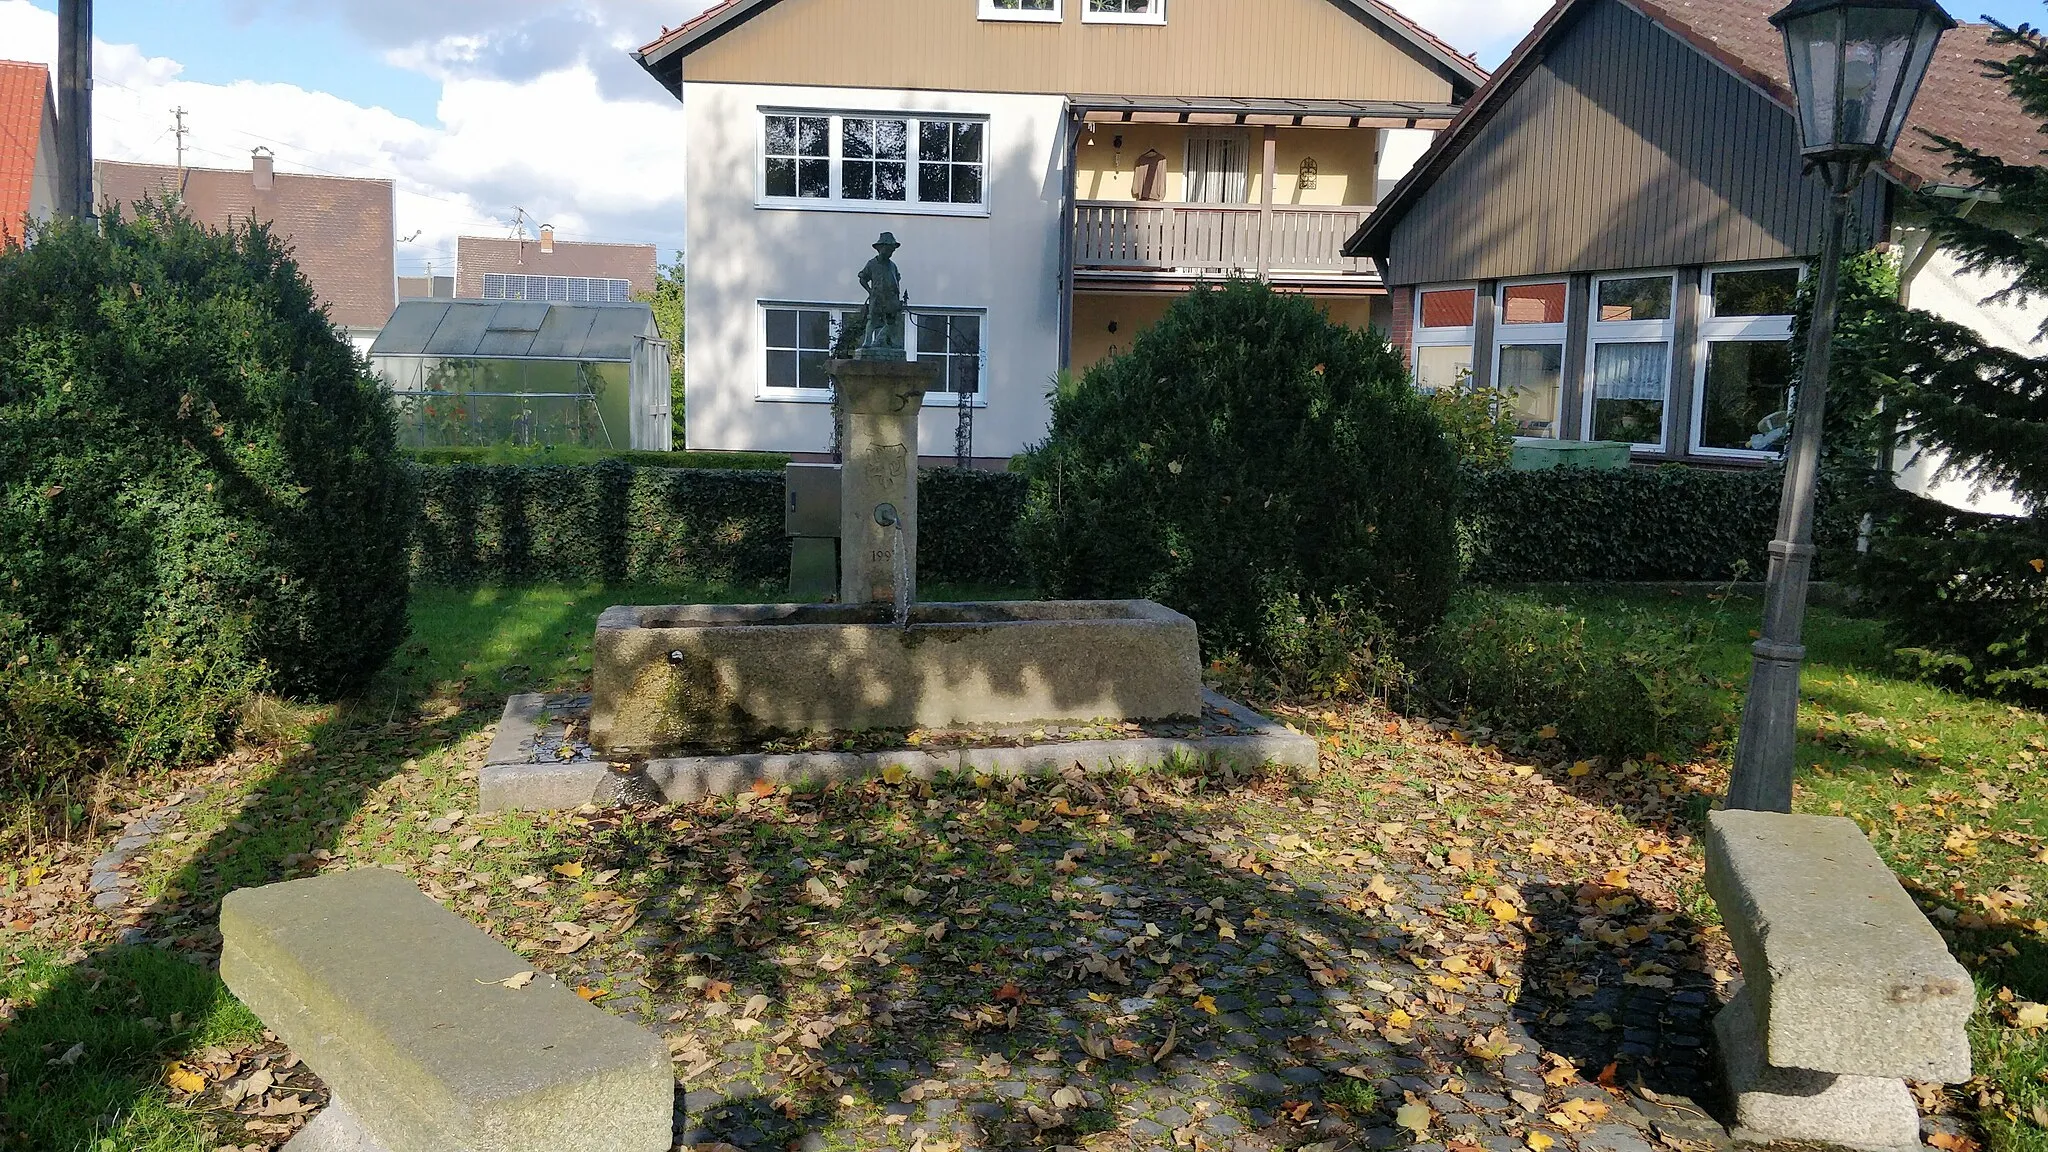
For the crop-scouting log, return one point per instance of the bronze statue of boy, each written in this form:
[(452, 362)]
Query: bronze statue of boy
[(883, 339)]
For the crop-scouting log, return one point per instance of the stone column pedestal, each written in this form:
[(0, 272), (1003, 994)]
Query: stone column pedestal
[(878, 403), (1870, 1113)]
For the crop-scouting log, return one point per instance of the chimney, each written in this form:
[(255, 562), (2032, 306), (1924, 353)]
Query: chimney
[(547, 239), (260, 171)]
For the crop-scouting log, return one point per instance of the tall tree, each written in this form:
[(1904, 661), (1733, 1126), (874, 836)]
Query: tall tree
[(667, 299)]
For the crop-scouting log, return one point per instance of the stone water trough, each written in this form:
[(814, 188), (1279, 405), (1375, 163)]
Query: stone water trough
[(669, 678)]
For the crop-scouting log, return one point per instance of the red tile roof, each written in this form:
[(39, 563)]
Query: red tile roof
[(340, 228), (476, 255), (24, 88)]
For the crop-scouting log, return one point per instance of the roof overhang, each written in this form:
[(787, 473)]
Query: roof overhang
[(1098, 109), (663, 58)]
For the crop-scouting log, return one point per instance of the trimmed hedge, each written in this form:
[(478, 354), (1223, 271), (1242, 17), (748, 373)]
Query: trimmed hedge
[(1669, 523), (577, 457), (610, 521)]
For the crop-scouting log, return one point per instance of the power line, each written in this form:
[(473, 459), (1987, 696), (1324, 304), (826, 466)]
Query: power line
[(179, 112)]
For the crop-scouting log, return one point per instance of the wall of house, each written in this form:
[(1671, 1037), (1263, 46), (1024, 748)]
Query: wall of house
[(42, 188), (1941, 286), (1133, 312), (1345, 158), (1303, 48), (1623, 148), (1007, 262)]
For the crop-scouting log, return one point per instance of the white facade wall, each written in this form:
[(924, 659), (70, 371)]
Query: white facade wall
[(1943, 288), (740, 255)]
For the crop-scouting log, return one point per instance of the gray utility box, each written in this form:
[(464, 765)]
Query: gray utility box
[(810, 516)]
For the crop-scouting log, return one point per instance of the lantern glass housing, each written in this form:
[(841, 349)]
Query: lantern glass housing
[(1856, 66)]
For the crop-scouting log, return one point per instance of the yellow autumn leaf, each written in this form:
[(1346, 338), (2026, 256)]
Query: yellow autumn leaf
[(2032, 1017), (1026, 827), (1503, 911), (183, 1079), (2038, 565), (1206, 1004), (1547, 732), (1582, 768), (895, 774), (1413, 1117), (572, 870), (1400, 1019), (589, 993), (1538, 1142)]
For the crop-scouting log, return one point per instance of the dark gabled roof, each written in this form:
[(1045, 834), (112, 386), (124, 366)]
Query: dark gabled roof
[(663, 57), (1957, 100)]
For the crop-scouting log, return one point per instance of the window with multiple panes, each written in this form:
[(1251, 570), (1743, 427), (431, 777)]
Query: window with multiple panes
[(799, 339), (1629, 359), (834, 159), (1745, 377), (558, 289), (1529, 337), (1443, 337), (1045, 10), (1125, 11)]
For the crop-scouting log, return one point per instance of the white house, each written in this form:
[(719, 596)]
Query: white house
[(1055, 170)]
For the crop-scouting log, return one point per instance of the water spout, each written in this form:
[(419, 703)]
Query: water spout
[(887, 516)]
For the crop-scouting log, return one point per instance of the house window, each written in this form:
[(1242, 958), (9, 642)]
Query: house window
[(1443, 337), (799, 339), (950, 161), (1529, 354), (1745, 382), (797, 157), (1047, 11), (953, 338), (1125, 12), (827, 160), (1218, 167), (799, 343), (557, 289), (1630, 354)]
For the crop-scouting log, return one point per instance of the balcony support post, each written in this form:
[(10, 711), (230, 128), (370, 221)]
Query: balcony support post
[(1266, 203)]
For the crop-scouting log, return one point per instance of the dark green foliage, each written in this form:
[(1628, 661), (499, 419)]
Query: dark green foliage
[(670, 320), (613, 522), (967, 533), (1668, 523), (1246, 451), (512, 454), (1479, 422), (1516, 663), (199, 481), (1964, 596)]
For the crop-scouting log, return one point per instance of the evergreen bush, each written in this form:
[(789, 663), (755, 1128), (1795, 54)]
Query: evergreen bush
[(200, 484), (1248, 453)]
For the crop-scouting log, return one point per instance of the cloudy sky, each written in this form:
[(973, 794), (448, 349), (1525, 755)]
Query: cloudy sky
[(477, 108)]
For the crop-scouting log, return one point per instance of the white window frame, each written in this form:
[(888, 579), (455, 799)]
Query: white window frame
[(1733, 329), (1600, 332), (1505, 333), (1090, 16), (766, 395), (1017, 15), (835, 157), (1443, 337)]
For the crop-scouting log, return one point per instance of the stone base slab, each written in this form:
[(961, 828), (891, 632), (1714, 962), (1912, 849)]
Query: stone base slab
[(335, 1129), (534, 768), (1772, 1104)]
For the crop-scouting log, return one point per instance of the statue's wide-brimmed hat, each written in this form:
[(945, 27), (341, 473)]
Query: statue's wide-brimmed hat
[(888, 242)]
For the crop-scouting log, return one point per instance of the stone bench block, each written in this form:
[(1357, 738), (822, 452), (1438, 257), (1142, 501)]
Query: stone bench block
[(386, 995), (1771, 1103), (1845, 974)]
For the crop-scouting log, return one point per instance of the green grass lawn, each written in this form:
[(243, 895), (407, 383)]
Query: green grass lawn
[(1948, 786)]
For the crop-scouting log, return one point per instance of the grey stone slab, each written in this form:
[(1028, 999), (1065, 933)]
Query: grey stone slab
[(1845, 973), (391, 1000), (1861, 1112), (518, 728), (689, 779), (541, 787), (335, 1129)]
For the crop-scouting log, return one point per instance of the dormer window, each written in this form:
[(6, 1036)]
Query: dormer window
[(1124, 12), (1040, 11)]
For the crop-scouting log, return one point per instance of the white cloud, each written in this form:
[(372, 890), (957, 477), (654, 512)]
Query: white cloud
[(549, 142), (1488, 28)]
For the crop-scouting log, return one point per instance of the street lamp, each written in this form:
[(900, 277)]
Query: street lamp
[(1856, 66)]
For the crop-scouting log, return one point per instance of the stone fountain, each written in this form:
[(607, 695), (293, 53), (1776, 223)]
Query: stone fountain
[(687, 699)]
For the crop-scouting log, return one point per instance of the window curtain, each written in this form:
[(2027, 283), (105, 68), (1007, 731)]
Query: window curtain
[(1629, 371), (1218, 171)]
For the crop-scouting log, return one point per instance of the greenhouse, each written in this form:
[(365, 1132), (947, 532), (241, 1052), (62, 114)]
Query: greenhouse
[(526, 373)]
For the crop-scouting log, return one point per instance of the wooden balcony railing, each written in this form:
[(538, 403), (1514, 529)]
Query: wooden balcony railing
[(1123, 236)]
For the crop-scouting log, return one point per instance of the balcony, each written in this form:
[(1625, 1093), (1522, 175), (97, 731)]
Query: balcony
[(1126, 239)]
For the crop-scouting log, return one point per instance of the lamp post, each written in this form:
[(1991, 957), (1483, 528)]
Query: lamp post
[(1856, 66)]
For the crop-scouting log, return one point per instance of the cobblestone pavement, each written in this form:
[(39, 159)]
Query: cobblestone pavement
[(1449, 952)]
